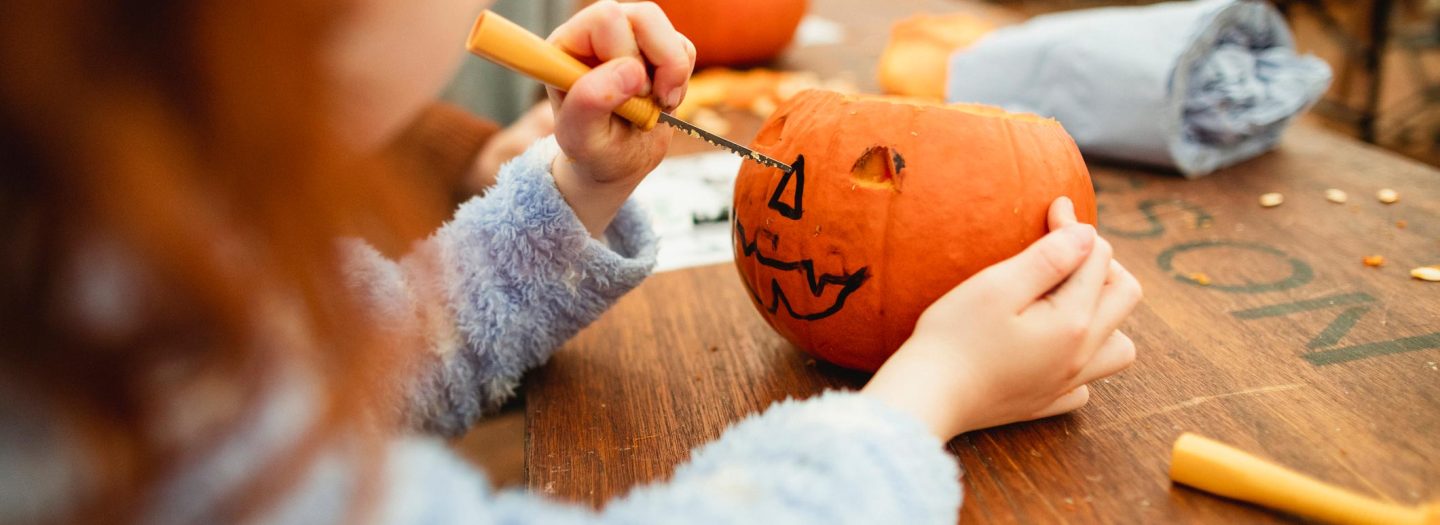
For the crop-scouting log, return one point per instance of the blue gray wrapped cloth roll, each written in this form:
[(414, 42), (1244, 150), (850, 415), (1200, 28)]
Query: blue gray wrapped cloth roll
[(1194, 86)]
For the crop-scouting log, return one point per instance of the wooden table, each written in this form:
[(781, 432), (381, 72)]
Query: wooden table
[(1295, 351)]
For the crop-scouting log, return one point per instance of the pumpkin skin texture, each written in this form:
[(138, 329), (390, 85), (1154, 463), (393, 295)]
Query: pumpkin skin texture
[(735, 32), (892, 204)]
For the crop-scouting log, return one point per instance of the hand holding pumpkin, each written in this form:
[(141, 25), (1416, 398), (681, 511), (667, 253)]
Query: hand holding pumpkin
[(1019, 340), (605, 156)]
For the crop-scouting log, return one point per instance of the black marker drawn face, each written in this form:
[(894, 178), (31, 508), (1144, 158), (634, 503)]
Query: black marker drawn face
[(892, 205), (826, 291)]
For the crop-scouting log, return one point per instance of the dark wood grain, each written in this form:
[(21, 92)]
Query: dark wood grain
[(659, 374), (1296, 351)]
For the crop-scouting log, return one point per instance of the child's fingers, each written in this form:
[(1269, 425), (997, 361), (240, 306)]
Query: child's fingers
[(600, 31), (586, 111), (1069, 402), (1062, 213), (664, 48), (1117, 299), (1115, 355), (1078, 295), (1015, 283), (690, 54)]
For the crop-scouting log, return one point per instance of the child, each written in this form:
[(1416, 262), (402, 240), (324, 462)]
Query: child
[(183, 344)]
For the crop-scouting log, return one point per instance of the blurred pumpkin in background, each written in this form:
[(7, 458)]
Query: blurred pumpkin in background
[(891, 204), (914, 62), (736, 32)]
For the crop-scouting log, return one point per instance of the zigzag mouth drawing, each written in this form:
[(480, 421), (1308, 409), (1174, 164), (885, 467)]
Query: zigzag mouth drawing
[(817, 284)]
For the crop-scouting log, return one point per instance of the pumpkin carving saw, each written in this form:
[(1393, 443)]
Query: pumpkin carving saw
[(891, 204)]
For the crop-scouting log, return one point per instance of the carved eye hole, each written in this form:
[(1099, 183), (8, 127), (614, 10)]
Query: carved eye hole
[(773, 132), (878, 167), (789, 196)]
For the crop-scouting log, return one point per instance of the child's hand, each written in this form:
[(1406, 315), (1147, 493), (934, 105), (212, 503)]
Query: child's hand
[(1019, 340), (604, 155)]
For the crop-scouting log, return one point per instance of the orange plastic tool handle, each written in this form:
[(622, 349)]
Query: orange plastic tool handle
[(506, 43), (1218, 468)]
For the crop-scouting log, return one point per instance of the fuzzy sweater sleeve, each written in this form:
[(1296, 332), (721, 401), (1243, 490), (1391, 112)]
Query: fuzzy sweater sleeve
[(835, 459), (497, 289)]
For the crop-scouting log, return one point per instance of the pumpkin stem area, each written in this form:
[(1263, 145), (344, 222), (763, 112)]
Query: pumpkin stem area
[(878, 169)]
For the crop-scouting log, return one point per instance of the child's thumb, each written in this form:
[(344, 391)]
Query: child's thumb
[(589, 104)]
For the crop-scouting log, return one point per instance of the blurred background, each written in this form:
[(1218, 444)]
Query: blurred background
[(1385, 55)]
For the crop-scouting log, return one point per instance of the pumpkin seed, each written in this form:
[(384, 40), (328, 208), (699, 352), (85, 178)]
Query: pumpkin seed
[(1430, 274), (1271, 200), (1336, 196), (1387, 196), (1426, 273)]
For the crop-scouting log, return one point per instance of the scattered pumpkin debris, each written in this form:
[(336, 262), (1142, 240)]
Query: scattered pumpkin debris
[(1387, 196), (1401, 224), (1336, 196), (1374, 261), (1426, 273), (1199, 278), (1271, 200)]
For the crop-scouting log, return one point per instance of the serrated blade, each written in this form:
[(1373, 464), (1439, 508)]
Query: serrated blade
[(716, 140)]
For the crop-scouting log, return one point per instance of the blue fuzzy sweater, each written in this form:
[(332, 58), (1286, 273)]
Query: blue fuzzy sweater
[(491, 295)]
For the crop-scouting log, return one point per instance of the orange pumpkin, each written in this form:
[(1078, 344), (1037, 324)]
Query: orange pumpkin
[(892, 203), (735, 32), (914, 62)]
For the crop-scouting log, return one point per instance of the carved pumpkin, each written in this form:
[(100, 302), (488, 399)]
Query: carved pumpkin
[(892, 203), (915, 60), (735, 32)]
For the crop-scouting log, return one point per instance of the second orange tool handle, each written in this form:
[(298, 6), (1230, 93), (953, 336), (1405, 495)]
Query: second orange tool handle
[(506, 43)]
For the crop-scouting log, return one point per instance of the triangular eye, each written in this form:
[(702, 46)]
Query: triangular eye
[(793, 185)]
